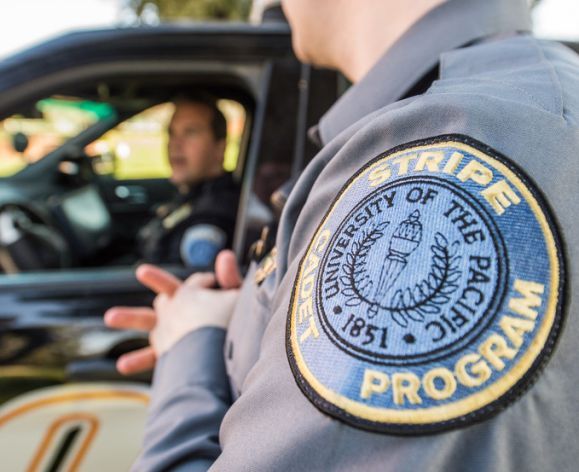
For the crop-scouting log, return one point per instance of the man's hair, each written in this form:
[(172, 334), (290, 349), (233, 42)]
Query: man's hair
[(218, 122)]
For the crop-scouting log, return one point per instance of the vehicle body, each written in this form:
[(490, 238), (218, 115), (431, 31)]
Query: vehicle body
[(62, 403)]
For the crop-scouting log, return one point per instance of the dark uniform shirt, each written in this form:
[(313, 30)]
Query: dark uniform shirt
[(414, 320), (194, 227)]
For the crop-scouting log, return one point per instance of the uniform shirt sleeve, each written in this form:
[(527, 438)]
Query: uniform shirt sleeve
[(274, 426), (189, 399)]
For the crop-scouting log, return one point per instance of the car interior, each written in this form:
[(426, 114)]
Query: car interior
[(83, 167), (86, 167)]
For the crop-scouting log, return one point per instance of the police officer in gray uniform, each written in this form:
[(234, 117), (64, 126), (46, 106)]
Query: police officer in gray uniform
[(419, 313)]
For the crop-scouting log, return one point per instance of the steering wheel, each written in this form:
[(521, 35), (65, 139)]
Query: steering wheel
[(29, 240)]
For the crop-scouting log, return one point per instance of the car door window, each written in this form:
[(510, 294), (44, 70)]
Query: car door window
[(137, 148), (95, 173), (27, 137)]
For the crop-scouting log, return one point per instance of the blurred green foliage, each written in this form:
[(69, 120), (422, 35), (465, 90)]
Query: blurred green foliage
[(193, 9)]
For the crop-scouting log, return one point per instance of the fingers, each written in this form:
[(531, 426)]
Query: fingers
[(136, 361), (137, 318), (227, 270), (165, 285), (159, 302), (158, 280), (201, 280)]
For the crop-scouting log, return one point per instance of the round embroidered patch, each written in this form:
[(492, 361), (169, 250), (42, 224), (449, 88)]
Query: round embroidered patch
[(430, 294)]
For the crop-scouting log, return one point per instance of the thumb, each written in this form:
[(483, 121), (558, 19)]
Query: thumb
[(227, 270)]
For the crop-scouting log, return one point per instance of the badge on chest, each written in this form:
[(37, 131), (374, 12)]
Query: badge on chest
[(430, 294)]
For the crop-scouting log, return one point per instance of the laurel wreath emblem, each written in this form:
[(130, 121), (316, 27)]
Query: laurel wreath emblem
[(416, 303)]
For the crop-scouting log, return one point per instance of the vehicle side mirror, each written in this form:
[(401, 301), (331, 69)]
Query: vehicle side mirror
[(19, 142)]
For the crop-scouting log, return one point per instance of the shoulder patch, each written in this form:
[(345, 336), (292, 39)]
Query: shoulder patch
[(430, 295), (201, 244)]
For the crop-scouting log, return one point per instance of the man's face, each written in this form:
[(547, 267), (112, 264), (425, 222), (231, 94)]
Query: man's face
[(194, 153)]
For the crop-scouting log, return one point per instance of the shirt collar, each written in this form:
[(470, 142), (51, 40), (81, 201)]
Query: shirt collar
[(453, 24)]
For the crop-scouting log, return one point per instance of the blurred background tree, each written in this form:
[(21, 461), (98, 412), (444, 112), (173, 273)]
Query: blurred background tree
[(153, 11)]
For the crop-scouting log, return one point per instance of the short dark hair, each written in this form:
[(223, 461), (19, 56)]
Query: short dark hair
[(218, 121)]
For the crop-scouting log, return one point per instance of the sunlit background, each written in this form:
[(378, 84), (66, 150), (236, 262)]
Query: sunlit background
[(26, 22)]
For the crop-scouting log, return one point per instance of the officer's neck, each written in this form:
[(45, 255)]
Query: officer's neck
[(192, 186), (183, 189), (367, 33)]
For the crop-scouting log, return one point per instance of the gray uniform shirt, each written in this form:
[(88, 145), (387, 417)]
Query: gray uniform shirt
[(506, 95)]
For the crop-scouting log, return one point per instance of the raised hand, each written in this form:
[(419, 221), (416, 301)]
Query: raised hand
[(180, 307)]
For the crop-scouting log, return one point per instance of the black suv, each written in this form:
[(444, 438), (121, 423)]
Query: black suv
[(82, 167)]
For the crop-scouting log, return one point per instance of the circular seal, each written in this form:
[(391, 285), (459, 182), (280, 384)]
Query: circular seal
[(430, 293), (456, 271)]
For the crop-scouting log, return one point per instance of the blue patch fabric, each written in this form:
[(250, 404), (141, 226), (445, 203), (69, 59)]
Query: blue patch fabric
[(201, 244), (430, 295)]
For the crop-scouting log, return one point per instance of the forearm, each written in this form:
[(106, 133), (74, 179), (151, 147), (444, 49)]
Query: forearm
[(190, 396)]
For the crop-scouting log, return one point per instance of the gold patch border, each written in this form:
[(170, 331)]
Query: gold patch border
[(482, 398)]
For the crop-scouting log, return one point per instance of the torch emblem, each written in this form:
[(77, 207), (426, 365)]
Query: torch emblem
[(404, 241)]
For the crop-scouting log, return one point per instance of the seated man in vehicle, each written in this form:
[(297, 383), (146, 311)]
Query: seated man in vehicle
[(200, 222)]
